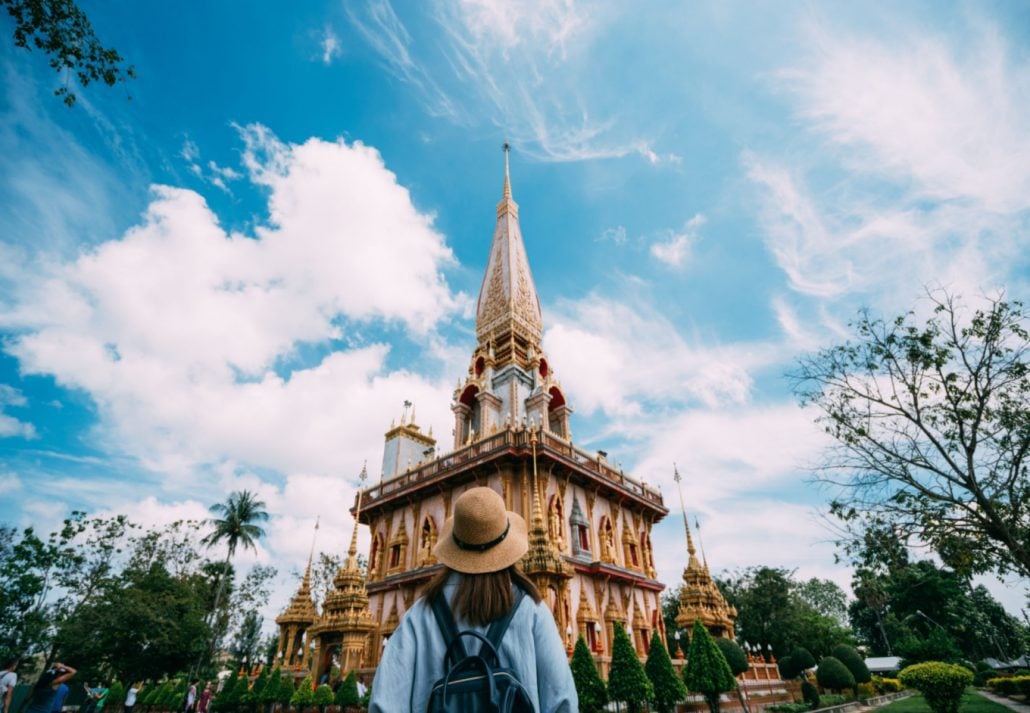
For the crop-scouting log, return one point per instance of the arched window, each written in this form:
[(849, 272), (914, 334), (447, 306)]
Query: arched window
[(426, 543)]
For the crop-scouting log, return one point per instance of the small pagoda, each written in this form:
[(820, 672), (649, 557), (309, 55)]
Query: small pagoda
[(293, 624), (700, 598)]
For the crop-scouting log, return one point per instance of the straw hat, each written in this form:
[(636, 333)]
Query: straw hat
[(482, 536)]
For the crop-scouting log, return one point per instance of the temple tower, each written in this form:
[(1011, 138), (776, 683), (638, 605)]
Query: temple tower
[(590, 523), (294, 622), (700, 598), (341, 633)]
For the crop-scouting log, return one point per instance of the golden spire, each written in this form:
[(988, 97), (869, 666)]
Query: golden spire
[(352, 553), (311, 554)]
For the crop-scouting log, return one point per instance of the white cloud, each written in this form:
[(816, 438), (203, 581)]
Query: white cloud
[(11, 427), (330, 46), (177, 328), (615, 358), (950, 119), (676, 248), (616, 235)]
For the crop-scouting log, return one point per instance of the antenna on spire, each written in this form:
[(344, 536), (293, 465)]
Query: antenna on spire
[(683, 508), (311, 554), (507, 181), (701, 541)]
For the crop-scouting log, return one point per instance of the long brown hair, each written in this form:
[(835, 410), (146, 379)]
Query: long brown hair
[(481, 598)]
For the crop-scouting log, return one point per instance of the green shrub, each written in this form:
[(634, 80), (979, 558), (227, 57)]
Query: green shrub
[(941, 684), (789, 708), (833, 674), (864, 691), (589, 686), (735, 655), (707, 671), (323, 696), (810, 694), (286, 689), (270, 692), (850, 657), (667, 686), (627, 681), (347, 693), (886, 685), (305, 693)]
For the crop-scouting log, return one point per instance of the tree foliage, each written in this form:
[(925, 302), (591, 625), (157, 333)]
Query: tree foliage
[(347, 693), (304, 695), (854, 662), (833, 674), (589, 687), (735, 655), (60, 29), (774, 609), (627, 681), (707, 671), (322, 696), (667, 686), (931, 420)]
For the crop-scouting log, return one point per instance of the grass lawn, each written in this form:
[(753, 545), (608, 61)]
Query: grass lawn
[(971, 703)]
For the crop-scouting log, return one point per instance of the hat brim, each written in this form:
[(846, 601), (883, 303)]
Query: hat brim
[(500, 556)]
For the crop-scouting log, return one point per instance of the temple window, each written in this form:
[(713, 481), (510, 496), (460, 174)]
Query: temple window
[(633, 555), (395, 556), (591, 636), (584, 537)]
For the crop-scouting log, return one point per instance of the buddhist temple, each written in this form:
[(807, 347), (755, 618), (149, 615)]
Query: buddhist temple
[(293, 625), (590, 523)]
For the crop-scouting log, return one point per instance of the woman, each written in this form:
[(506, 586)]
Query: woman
[(42, 697), (131, 696), (205, 698), (479, 547)]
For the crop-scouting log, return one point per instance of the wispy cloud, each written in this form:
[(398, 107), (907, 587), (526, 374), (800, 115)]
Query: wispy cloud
[(384, 32), (675, 248), (330, 45)]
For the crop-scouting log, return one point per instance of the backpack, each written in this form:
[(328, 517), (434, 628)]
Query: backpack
[(476, 684)]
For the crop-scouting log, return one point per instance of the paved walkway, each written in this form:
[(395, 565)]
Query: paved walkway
[(1007, 702)]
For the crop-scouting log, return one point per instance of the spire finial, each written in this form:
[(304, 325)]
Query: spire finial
[(683, 508), (352, 553), (507, 179), (701, 541)]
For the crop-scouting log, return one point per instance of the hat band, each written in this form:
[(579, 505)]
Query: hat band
[(471, 547)]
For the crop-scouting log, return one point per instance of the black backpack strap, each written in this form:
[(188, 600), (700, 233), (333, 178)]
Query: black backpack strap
[(496, 631), (445, 620)]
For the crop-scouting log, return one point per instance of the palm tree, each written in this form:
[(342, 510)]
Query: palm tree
[(235, 526)]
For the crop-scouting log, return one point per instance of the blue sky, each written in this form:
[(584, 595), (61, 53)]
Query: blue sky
[(236, 277)]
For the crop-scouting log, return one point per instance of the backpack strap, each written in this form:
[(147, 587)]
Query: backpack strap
[(496, 631), (445, 620)]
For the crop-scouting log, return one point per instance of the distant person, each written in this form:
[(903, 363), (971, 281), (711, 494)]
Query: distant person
[(132, 695), (480, 592), (97, 698), (191, 696), (8, 680), (41, 699), (61, 691), (362, 688), (205, 698)]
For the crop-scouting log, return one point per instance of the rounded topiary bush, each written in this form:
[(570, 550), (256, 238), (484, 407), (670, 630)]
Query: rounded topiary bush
[(941, 684), (833, 674)]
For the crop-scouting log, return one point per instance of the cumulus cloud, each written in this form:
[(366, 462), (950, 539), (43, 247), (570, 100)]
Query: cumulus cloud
[(11, 427), (330, 46), (183, 333)]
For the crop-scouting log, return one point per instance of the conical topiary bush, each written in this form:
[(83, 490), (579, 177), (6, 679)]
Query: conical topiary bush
[(707, 671), (589, 687), (668, 688), (627, 681)]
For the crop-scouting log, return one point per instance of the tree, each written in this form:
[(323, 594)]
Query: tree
[(937, 646), (224, 699), (834, 675), (25, 565), (773, 611), (305, 693), (236, 526), (854, 662), (707, 671), (668, 688), (932, 427), (269, 695), (347, 693), (627, 681), (62, 31), (252, 698), (734, 655), (802, 659), (248, 640), (589, 687), (323, 696), (286, 690)]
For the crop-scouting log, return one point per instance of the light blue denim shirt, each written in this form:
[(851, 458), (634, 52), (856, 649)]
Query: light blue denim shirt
[(532, 647)]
